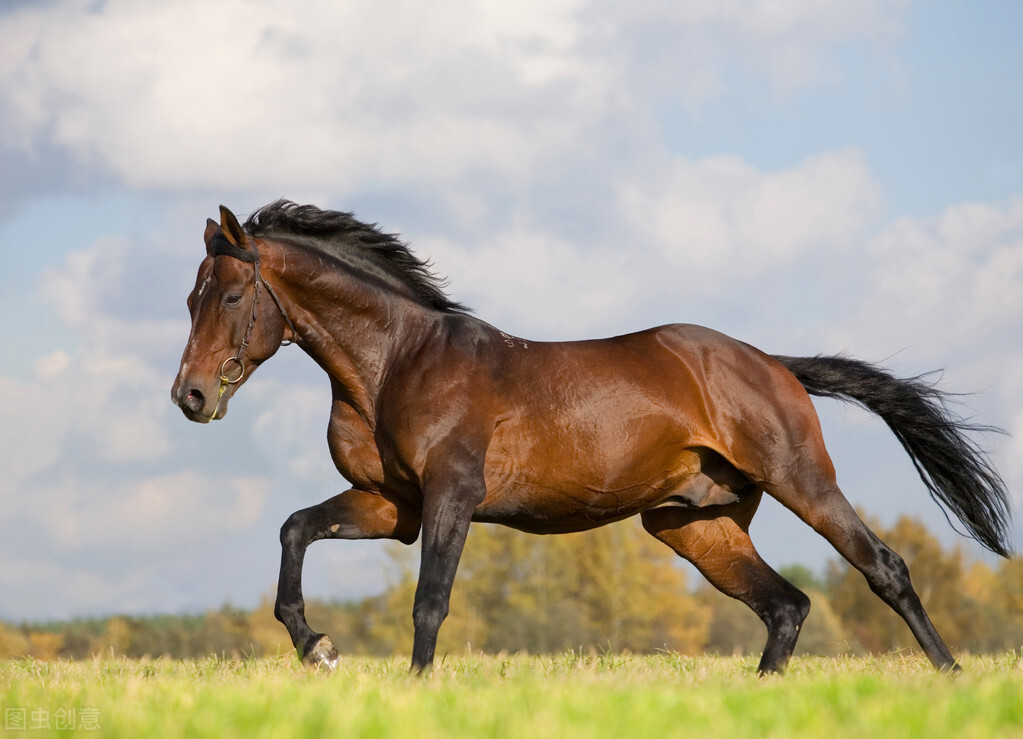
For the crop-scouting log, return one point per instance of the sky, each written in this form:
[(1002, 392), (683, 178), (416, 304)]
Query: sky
[(809, 177)]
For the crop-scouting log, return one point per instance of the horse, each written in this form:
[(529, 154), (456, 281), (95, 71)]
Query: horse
[(438, 419)]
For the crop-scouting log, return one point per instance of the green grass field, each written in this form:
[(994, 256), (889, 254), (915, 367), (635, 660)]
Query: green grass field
[(516, 696)]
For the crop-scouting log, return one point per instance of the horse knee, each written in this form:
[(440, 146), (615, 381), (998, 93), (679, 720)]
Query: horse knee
[(429, 612)]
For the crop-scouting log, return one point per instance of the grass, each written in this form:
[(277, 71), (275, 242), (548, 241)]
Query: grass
[(567, 695)]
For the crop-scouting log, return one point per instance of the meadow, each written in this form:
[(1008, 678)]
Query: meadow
[(568, 695)]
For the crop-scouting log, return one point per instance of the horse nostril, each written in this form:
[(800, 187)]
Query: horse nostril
[(194, 401)]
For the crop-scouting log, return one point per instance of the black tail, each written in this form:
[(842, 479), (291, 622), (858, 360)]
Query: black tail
[(955, 470)]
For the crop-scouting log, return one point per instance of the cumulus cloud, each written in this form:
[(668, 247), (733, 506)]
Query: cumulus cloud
[(537, 282), (100, 450), (688, 233), (686, 51), (109, 400), (721, 212), (955, 277), (325, 94), (258, 92), (101, 463), (125, 295), (154, 514)]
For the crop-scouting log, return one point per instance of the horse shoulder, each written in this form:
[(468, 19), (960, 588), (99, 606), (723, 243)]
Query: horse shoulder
[(353, 447), (438, 408)]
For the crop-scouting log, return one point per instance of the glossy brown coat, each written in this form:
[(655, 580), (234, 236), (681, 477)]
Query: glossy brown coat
[(439, 419)]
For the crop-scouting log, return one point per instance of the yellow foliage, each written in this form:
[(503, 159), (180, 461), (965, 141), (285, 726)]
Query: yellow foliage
[(12, 642), (45, 645)]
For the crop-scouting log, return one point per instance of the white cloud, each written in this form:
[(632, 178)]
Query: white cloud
[(292, 420), (52, 366), (270, 92), (326, 94), (957, 277), (115, 398), (541, 284), (114, 401), (154, 514), (720, 221), (688, 230), (25, 433), (104, 404), (46, 587), (949, 287), (684, 52)]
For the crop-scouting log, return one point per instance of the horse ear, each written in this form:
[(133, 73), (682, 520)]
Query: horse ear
[(211, 230), (232, 229)]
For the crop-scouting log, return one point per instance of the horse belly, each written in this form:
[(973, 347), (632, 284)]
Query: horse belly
[(586, 492)]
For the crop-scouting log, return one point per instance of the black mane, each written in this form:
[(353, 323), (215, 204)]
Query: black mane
[(341, 235)]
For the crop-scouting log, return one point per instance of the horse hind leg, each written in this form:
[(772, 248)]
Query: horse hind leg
[(716, 540), (785, 455), (817, 500)]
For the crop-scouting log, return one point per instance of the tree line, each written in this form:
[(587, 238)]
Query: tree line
[(613, 589)]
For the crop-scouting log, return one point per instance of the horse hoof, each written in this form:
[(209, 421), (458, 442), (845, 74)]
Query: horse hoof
[(322, 655)]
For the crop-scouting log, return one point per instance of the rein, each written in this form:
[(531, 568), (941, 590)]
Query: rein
[(221, 246)]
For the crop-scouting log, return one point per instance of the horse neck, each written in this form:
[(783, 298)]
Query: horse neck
[(352, 325)]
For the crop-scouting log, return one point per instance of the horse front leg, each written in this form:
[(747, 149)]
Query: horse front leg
[(447, 512), (354, 514)]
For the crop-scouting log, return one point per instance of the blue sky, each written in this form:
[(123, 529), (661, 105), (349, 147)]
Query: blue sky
[(808, 177)]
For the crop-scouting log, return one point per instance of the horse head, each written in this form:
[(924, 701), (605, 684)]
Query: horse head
[(233, 331)]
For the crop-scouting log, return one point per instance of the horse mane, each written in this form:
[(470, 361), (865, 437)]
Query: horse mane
[(348, 239)]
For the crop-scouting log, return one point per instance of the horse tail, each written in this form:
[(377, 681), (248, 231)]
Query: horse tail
[(957, 472)]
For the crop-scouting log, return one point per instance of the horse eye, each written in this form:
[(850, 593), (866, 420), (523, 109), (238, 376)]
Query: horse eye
[(232, 300)]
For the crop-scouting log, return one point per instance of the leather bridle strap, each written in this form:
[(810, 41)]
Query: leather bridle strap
[(219, 245)]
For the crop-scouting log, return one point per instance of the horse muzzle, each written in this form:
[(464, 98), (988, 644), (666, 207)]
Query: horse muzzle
[(194, 403)]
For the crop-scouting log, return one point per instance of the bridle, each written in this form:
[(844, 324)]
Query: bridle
[(219, 245)]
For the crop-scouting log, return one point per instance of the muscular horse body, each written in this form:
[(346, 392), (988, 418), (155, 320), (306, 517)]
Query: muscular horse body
[(439, 419)]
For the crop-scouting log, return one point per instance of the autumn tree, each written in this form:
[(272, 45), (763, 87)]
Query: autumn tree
[(13, 643), (612, 588), (735, 629)]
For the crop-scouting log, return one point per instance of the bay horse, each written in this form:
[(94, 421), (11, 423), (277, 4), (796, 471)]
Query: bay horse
[(438, 419)]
